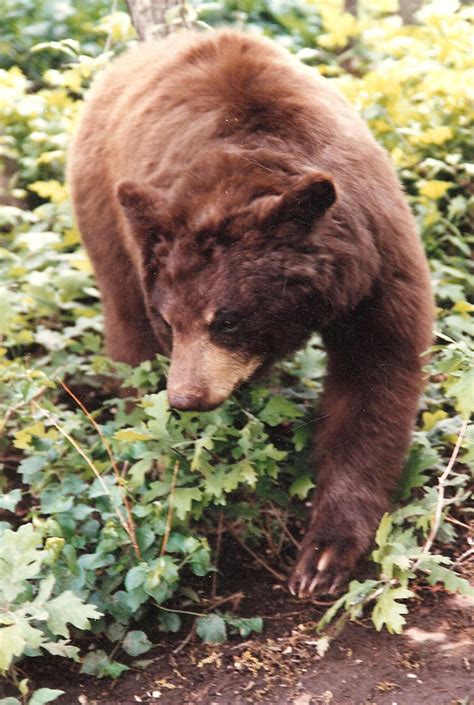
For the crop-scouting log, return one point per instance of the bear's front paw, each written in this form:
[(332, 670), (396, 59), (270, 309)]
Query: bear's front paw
[(323, 567)]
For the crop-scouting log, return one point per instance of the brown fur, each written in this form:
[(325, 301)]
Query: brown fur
[(232, 203)]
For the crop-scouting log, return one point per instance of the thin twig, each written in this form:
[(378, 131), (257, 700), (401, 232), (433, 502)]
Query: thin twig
[(132, 528), (259, 560), (169, 517), (440, 502), (125, 467), (457, 522), (464, 556), (186, 640), (277, 516), (215, 576)]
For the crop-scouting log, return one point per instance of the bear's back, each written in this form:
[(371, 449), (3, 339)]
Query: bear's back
[(163, 106), (159, 105)]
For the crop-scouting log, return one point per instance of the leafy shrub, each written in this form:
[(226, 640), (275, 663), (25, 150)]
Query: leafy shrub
[(124, 500), (31, 619)]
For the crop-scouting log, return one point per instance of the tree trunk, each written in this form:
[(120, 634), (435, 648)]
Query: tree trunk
[(351, 6), (408, 9), (152, 18)]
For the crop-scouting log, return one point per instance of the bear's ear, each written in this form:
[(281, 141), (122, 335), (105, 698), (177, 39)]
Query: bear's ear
[(146, 211), (308, 198), (139, 201)]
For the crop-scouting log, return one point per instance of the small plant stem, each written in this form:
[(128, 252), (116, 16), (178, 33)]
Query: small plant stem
[(215, 575), (235, 596), (440, 501), (259, 560), (186, 640), (267, 532), (457, 522), (131, 524), (169, 517), (464, 556), (288, 533)]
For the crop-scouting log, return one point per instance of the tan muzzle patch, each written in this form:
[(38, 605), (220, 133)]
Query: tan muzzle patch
[(203, 375)]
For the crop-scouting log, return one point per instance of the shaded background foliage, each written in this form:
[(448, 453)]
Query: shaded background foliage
[(118, 510)]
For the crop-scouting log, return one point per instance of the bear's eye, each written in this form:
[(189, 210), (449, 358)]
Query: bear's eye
[(226, 322)]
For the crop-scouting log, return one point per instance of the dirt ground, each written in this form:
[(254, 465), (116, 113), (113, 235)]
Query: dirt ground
[(432, 663)]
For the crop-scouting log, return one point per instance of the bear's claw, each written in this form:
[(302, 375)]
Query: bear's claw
[(322, 570)]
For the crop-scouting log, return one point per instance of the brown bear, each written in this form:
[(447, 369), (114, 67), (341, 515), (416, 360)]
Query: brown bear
[(232, 203)]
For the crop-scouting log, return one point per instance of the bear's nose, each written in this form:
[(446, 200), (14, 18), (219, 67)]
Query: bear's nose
[(189, 401)]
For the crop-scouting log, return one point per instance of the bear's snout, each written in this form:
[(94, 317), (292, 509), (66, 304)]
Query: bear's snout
[(190, 401), (202, 375)]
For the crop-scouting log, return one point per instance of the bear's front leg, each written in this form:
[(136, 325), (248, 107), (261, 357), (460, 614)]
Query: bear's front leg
[(368, 409)]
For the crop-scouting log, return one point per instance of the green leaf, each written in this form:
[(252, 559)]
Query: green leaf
[(169, 621), (247, 473), (94, 663), (200, 562), (61, 648), (384, 529), (301, 487), (463, 391), (390, 612), (136, 474), (15, 638), (129, 435), (450, 579), (116, 631), (278, 410), (183, 499), (245, 625), (44, 695), (200, 446), (136, 576), (421, 458), (136, 643), (98, 664), (21, 559), (68, 608), (10, 500), (45, 590), (211, 629), (9, 701), (113, 669), (157, 406)]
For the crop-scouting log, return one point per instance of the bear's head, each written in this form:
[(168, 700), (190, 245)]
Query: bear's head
[(233, 281)]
